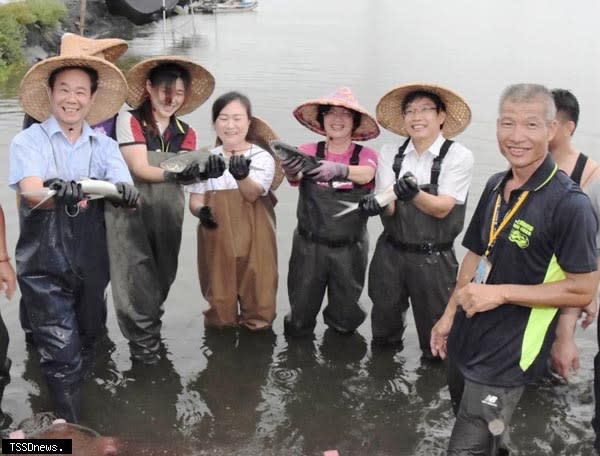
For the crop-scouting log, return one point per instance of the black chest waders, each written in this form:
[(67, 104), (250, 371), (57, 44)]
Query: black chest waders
[(144, 248), (413, 263), (62, 270), (328, 254)]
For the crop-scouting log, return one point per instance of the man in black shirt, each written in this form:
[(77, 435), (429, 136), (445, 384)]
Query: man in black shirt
[(531, 250)]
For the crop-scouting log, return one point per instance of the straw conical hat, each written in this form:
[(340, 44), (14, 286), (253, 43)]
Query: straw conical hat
[(261, 134), (202, 82), (389, 109), (307, 112), (110, 95)]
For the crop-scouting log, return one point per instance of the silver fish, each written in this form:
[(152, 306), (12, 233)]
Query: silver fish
[(92, 188), (383, 198), (286, 152), (178, 163)]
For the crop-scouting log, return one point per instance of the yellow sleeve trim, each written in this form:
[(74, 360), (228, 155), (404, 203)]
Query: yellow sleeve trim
[(539, 321)]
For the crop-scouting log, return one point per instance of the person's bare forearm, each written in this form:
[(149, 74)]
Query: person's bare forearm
[(577, 290)]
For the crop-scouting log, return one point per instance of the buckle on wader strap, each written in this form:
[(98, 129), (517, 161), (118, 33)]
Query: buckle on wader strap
[(310, 236), (422, 247)]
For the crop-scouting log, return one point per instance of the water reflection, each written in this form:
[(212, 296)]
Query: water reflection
[(230, 386), (548, 419), (136, 403), (320, 393)]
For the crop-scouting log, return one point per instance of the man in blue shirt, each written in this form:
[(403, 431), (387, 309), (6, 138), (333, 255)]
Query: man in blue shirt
[(61, 254), (531, 250)]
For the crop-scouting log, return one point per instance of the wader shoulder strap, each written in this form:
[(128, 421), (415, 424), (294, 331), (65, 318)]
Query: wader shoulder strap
[(397, 166), (355, 159), (436, 166), (154, 142), (579, 167), (321, 150)]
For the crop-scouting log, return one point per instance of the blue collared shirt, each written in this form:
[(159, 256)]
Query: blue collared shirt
[(43, 150)]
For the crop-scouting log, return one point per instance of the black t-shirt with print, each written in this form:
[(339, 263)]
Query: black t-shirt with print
[(554, 230)]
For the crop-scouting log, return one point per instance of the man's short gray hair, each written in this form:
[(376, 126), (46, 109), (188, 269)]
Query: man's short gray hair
[(519, 93)]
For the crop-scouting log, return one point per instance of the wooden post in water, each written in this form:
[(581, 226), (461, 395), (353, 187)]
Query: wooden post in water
[(82, 12), (164, 11)]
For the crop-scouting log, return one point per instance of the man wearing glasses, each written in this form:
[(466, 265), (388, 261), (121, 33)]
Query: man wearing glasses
[(414, 261)]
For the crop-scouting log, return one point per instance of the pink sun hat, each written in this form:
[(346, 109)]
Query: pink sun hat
[(307, 112)]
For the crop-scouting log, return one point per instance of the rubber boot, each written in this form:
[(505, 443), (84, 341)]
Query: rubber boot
[(295, 328), (66, 400)]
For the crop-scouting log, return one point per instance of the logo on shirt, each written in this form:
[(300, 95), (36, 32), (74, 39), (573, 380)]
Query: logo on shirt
[(490, 400), (520, 233)]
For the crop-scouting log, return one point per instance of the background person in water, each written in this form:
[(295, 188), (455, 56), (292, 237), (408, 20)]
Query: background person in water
[(586, 173), (8, 284)]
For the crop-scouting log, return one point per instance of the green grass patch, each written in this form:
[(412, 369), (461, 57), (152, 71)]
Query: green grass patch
[(19, 17)]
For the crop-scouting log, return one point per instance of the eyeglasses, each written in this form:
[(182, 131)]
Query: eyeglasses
[(412, 111), (339, 112)]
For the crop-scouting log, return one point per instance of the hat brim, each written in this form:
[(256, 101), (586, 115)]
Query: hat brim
[(307, 112), (261, 134), (389, 109), (112, 52), (201, 87), (109, 97)]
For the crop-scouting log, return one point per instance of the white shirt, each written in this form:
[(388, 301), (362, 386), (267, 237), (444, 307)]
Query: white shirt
[(455, 175), (262, 171)]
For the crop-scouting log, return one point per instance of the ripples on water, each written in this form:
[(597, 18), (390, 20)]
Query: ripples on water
[(234, 393)]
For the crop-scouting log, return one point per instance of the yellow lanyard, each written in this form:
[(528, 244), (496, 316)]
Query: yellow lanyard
[(494, 232)]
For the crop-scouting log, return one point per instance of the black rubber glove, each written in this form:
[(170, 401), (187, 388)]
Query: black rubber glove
[(215, 167), (207, 220), (368, 205), (68, 192), (239, 167), (129, 194), (190, 175), (407, 187)]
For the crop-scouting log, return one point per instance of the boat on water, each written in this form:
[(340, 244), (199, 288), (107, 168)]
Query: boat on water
[(141, 11), (228, 6)]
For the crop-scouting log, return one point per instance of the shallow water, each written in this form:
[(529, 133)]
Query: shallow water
[(236, 393)]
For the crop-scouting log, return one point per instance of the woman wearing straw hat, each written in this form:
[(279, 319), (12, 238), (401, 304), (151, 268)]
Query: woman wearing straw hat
[(237, 249), (61, 255), (144, 245), (330, 253), (414, 259)]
